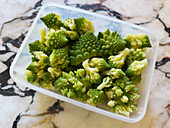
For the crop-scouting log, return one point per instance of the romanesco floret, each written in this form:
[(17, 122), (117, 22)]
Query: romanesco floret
[(87, 46), (118, 61), (52, 21), (107, 82), (42, 34), (114, 73), (83, 25), (81, 76), (135, 55), (59, 58), (70, 23), (30, 76), (92, 74), (136, 68), (138, 40), (47, 77), (122, 109), (55, 72), (70, 86), (56, 39), (70, 34), (73, 80), (112, 43), (40, 63), (36, 46), (111, 103), (136, 79), (122, 82), (99, 63), (96, 96)]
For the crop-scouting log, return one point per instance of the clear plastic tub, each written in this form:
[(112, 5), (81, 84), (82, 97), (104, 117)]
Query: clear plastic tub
[(101, 23)]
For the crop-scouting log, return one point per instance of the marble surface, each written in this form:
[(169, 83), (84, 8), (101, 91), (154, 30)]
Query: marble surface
[(22, 107)]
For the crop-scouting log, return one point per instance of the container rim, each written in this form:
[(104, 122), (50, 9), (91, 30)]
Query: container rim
[(80, 104)]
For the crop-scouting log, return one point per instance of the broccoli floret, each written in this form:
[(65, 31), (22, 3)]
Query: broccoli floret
[(135, 55), (59, 58), (92, 74), (136, 68), (70, 23), (70, 34), (83, 25), (112, 43), (55, 72), (96, 96), (30, 76), (52, 21), (114, 73), (36, 46), (118, 61), (99, 63), (87, 46), (107, 82), (137, 40), (56, 39), (42, 34)]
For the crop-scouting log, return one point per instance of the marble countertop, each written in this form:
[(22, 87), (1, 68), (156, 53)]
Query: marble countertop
[(22, 107)]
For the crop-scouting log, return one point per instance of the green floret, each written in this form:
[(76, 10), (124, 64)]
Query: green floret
[(81, 76), (136, 79), (122, 82), (99, 63), (71, 78), (83, 25), (43, 59), (92, 74), (135, 55), (56, 39), (87, 46), (96, 96), (114, 73), (107, 82), (112, 43), (118, 61), (30, 76), (137, 40), (70, 23), (52, 21), (36, 46), (55, 72), (46, 77), (122, 109), (70, 34), (70, 86), (42, 34), (59, 58), (136, 68), (65, 87)]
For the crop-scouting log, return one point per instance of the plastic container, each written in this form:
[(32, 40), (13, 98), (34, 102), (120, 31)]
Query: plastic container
[(101, 23)]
